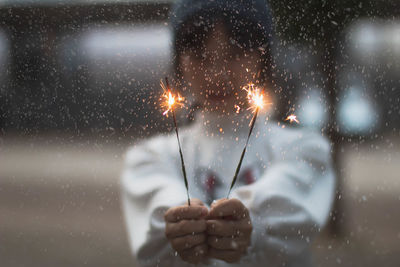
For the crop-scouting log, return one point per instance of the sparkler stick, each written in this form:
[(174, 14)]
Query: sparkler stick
[(170, 103), (253, 121), (256, 99)]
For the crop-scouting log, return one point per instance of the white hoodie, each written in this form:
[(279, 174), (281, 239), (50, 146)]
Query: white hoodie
[(286, 182)]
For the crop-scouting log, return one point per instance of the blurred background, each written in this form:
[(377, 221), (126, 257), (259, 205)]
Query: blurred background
[(78, 85)]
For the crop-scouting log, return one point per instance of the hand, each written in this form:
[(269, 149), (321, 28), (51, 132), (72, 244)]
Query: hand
[(229, 230), (186, 230)]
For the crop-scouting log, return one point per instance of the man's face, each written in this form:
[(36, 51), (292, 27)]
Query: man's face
[(216, 77)]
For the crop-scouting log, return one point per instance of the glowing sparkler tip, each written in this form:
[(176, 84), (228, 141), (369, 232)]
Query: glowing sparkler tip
[(255, 96), (292, 118), (170, 99)]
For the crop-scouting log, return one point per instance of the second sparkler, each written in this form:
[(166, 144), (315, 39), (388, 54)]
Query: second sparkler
[(255, 96)]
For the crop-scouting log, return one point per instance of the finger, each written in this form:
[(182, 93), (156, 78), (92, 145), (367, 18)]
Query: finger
[(216, 202), (221, 228), (187, 241), (228, 243), (196, 202), (228, 207), (176, 214), (195, 254), (228, 228), (185, 227), (229, 256)]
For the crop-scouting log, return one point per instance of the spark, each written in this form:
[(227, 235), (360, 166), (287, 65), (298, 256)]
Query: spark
[(255, 97), (292, 118), (237, 108), (170, 99)]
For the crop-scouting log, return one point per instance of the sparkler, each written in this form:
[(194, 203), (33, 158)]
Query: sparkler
[(171, 101), (256, 101)]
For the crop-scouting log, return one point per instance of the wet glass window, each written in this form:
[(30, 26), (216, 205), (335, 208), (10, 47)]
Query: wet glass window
[(81, 100)]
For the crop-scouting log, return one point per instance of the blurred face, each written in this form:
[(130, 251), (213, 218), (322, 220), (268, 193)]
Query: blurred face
[(216, 77)]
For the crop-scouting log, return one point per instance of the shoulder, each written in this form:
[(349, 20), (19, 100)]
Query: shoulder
[(299, 141), (162, 146), (153, 148)]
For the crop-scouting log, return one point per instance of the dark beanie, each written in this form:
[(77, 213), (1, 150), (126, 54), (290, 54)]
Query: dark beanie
[(239, 12)]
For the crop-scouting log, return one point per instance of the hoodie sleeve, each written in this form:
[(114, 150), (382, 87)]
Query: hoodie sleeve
[(150, 185), (291, 201)]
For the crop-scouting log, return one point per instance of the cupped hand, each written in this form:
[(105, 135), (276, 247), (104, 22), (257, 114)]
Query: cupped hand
[(229, 230), (186, 230)]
